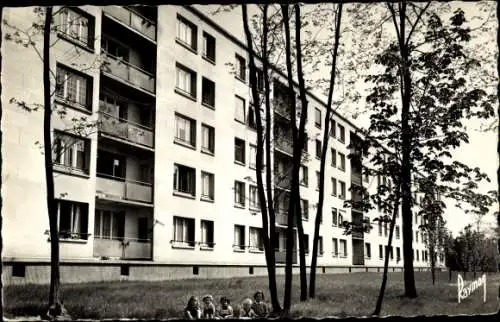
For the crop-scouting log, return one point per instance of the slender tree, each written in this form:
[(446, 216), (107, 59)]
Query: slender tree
[(266, 202), (324, 149)]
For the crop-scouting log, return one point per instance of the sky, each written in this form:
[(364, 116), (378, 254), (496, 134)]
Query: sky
[(481, 150)]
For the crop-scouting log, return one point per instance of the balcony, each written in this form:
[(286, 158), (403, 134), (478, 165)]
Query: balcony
[(357, 234), (132, 19), (356, 178), (129, 73), (124, 189), (283, 180), (126, 130), (358, 259), (123, 248), (282, 217), (280, 256), (283, 110), (283, 144)]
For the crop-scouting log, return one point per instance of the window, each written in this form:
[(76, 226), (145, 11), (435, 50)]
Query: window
[(368, 250), (254, 197), (380, 252), (334, 187), (379, 228), (317, 117), (341, 217), (318, 176), (184, 180), (252, 163), (392, 253), (341, 133), (335, 247), (318, 149), (423, 256), (207, 234), (207, 185), (207, 139), (304, 206), (239, 109), (185, 130), (207, 92), (239, 237), (256, 240), (303, 177), (306, 142), (183, 232), (386, 229), (185, 81), (397, 232), (77, 26), (334, 217), (110, 164), (416, 236), (239, 193), (333, 128), (74, 87), (342, 161), (366, 176), (320, 246), (251, 117), (306, 244), (416, 252), (187, 33), (239, 150), (208, 47), (241, 68), (334, 157), (71, 152), (342, 194), (72, 219), (343, 248), (143, 229), (398, 254)]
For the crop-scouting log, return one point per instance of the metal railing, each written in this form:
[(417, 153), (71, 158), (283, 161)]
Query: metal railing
[(133, 20), (129, 73), (124, 188), (125, 129)]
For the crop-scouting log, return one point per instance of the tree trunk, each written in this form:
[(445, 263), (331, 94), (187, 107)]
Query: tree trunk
[(301, 139), (55, 304), (268, 230), (378, 306), (324, 149), (406, 168), (295, 182)]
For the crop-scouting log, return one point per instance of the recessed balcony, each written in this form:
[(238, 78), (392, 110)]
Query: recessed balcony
[(117, 188), (133, 20), (122, 248), (126, 130), (129, 73)]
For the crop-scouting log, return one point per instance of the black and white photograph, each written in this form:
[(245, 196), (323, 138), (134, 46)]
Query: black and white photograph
[(271, 160)]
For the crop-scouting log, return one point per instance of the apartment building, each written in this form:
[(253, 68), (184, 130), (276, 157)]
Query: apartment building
[(161, 183)]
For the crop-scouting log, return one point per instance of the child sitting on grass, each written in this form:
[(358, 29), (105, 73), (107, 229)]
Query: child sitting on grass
[(259, 306), (192, 310), (208, 307), (246, 311), (225, 310)]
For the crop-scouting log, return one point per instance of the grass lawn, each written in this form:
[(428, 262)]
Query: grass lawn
[(352, 294)]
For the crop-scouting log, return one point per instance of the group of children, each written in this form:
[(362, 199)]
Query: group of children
[(249, 309)]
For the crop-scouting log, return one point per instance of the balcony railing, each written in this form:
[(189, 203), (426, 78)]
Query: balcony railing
[(356, 178), (283, 180), (282, 143), (282, 217), (280, 256), (358, 259), (123, 248), (129, 73), (133, 20), (126, 189), (126, 130)]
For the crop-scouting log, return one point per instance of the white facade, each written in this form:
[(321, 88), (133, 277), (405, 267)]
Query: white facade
[(134, 210)]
